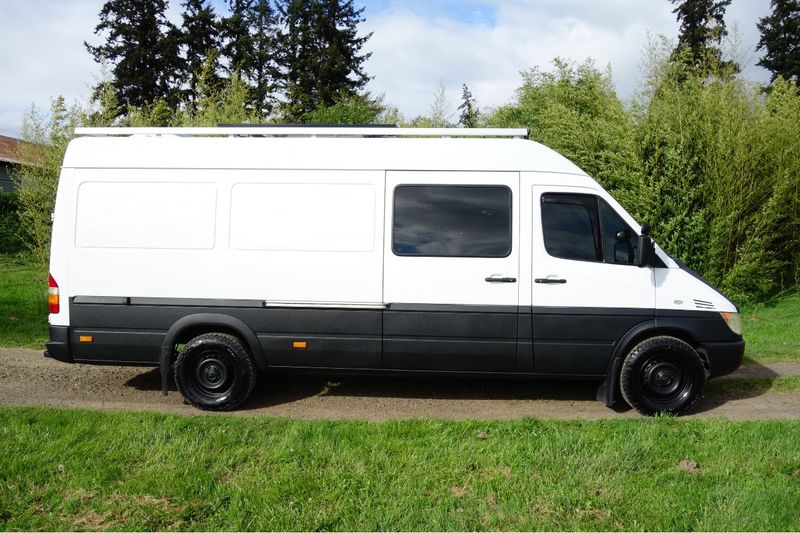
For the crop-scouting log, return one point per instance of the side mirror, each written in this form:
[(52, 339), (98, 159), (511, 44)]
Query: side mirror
[(646, 249)]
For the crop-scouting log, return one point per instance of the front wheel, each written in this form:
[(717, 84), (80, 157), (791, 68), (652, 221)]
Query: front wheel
[(662, 375), (215, 372)]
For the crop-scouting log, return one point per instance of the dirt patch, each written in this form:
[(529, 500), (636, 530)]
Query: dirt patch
[(28, 378)]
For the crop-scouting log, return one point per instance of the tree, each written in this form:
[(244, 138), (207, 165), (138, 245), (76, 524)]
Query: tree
[(702, 29), (263, 72), (142, 48), (320, 54), (237, 42), (198, 38), (780, 37), (470, 112)]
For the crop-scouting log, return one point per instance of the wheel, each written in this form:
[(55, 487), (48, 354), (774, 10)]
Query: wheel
[(662, 375), (215, 372)]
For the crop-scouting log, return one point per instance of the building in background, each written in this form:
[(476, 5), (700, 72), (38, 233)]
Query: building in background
[(9, 147)]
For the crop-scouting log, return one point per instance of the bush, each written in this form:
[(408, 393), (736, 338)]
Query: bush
[(11, 232)]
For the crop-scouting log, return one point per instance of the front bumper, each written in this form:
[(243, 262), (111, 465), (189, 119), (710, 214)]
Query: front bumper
[(58, 348), (724, 357)]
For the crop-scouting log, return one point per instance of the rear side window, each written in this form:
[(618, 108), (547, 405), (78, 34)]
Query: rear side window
[(584, 227), (452, 221)]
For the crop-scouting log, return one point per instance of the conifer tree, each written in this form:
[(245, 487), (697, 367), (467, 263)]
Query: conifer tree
[(262, 71), (199, 37), (320, 54), (780, 38), (470, 112), (701, 31), (141, 48), (237, 41)]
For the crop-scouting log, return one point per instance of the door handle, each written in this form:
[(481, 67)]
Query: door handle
[(500, 279), (550, 280)]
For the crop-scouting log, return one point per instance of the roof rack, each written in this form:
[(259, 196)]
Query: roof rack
[(306, 131)]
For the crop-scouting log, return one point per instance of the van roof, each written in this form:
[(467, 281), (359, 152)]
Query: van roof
[(176, 148)]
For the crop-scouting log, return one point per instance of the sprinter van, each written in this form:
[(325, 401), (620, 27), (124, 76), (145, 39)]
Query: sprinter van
[(225, 252)]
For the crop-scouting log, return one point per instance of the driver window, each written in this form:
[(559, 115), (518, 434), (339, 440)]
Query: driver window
[(619, 240)]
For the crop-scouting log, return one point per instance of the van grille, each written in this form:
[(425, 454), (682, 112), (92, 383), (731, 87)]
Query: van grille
[(702, 304)]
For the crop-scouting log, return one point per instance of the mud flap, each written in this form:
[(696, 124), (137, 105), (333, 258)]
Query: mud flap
[(607, 391), (163, 365)]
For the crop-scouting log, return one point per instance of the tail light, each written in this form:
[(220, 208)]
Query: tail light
[(53, 299)]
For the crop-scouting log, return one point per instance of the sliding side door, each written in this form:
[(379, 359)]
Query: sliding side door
[(451, 268)]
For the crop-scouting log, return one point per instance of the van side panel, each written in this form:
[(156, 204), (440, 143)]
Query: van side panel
[(131, 331)]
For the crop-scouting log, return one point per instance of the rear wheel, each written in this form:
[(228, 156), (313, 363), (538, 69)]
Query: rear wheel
[(215, 372), (662, 375)]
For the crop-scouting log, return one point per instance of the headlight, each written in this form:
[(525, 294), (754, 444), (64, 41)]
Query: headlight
[(734, 322)]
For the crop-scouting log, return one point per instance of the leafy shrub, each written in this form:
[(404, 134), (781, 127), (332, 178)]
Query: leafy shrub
[(11, 232)]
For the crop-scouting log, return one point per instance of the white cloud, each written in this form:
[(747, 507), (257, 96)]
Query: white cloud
[(413, 50), (415, 44), (43, 55)]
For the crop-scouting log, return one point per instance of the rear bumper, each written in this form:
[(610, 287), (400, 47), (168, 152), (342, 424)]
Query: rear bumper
[(724, 357), (59, 348)]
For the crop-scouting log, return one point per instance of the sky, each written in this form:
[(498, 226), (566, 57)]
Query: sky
[(416, 45)]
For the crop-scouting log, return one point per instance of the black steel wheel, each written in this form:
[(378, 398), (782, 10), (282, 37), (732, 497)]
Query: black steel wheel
[(215, 372), (662, 375)]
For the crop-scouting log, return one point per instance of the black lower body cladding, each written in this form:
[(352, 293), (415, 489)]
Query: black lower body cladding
[(416, 337)]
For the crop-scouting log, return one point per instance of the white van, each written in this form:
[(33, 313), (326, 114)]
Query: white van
[(225, 252)]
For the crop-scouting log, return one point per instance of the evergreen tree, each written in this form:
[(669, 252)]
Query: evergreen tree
[(237, 41), (142, 48), (320, 54), (198, 38), (701, 31), (780, 37), (262, 70), (469, 109)]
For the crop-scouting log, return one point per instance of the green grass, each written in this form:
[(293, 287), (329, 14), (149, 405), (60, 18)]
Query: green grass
[(752, 386), (23, 303), (75, 469), (772, 331)]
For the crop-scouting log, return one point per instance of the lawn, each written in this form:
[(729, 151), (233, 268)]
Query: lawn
[(74, 469), (772, 331), (23, 303)]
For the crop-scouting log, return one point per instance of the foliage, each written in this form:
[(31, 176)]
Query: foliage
[(470, 112), (199, 36), (719, 182), (701, 31), (320, 54), (440, 114), (141, 45), (77, 469), (780, 38), (350, 109), (37, 177), (250, 49), (575, 111), (11, 230)]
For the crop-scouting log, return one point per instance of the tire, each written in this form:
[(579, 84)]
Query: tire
[(215, 372), (662, 375)]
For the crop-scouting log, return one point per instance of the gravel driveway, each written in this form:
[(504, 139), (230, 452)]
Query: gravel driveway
[(27, 378)]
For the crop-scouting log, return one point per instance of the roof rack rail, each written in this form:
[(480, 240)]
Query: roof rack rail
[(306, 131)]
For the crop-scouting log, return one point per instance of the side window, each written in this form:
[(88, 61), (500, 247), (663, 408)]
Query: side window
[(452, 221), (570, 226), (619, 240), (585, 228)]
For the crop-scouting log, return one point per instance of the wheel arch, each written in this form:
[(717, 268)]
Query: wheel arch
[(196, 324), (608, 392)]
